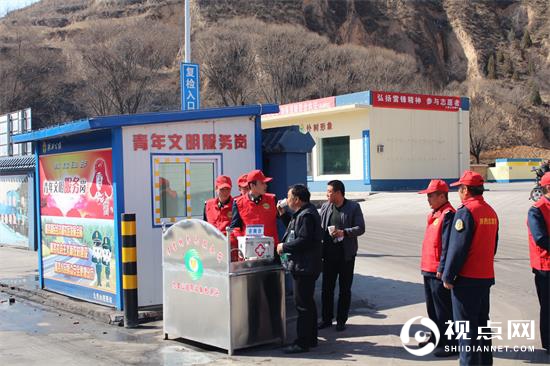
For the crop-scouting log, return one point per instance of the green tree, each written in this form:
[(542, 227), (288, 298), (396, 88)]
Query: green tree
[(491, 68), (535, 98), (511, 36), (526, 40), (500, 56), (531, 67), (508, 66)]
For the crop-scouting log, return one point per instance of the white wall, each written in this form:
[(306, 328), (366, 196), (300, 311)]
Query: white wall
[(417, 144), (137, 188), (350, 122)]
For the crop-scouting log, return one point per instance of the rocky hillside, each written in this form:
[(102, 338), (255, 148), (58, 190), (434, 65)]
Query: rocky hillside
[(496, 52)]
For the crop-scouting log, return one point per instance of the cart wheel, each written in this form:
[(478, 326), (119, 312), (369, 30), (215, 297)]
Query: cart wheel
[(165, 336), (536, 194)]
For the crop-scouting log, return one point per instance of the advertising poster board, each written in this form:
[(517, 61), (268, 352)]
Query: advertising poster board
[(14, 206), (77, 225)]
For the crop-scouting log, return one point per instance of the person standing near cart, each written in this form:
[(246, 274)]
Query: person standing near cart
[(538, 225), (342, 222), (243, 184), (218, 210), (302, 242), (434, 250), (257, 207), (469, 268)]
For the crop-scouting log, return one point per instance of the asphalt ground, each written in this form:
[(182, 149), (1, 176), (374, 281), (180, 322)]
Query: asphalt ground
[(387, 291)]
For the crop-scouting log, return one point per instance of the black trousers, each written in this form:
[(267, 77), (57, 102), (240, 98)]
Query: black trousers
[(343, 271), (471, 303), (306, 326), (542, 283), (439, 306)]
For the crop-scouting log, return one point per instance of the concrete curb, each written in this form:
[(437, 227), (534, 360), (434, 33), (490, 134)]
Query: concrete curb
[(75, 306)]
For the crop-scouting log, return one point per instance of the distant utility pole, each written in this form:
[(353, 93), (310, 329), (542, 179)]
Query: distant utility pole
[(187, 32)]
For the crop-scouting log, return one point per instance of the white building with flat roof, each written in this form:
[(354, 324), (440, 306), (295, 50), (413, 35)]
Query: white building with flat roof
[(378, 141)]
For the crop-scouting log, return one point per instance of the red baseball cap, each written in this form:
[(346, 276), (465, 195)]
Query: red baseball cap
[(545, 180), (436, 185), (223, 181), (242, 181), (255, 175), (469, 178)]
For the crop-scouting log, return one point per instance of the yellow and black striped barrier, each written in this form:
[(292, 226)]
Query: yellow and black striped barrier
[(129, 270)]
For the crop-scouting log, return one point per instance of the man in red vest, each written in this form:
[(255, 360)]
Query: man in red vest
[(434, 250), (243, 184), (217, 211), (538, 226), (469, 270), (256, 207)]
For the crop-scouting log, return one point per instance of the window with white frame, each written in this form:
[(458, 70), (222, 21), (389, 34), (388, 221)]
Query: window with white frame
[(335, 155), (181, 184)]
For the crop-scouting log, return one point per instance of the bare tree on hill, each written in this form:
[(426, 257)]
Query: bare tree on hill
[(484, 129), (228, 61), (119, 71)]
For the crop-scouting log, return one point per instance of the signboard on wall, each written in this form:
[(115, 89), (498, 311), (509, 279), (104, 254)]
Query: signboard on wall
[(415, 101), (305, 106), (190, 87), (77, 223), (14, 206)]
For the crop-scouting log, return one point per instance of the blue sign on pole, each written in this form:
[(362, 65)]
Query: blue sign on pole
[(190, 86)]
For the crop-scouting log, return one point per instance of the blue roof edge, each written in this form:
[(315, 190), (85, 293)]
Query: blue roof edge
[(102, 122)]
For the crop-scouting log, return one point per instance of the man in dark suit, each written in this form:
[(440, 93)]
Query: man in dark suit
[(342, 222), (302, 244)]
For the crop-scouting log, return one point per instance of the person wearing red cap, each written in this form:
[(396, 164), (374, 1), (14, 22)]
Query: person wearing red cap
[(434, 250), (538, 226), (243, 184), (217, 211), (469, 268), (257, 206)]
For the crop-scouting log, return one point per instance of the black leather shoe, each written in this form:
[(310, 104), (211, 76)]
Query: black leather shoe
[(340, 327), (323, 325), (294, 348)]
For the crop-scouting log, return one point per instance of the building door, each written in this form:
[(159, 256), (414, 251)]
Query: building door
[(366, 157)]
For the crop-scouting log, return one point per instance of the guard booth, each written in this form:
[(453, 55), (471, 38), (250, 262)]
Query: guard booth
[(160, 166)]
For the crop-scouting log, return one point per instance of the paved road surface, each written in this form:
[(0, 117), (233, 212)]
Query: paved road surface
[(387, 292)]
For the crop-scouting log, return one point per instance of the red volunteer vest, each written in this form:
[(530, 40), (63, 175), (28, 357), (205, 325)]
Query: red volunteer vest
[(264, 212), (540, 258), (219, 217), (480, 260), (431, 246)]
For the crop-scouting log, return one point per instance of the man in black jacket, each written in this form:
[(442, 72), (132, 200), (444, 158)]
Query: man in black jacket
[(302, 243), (342, 222)]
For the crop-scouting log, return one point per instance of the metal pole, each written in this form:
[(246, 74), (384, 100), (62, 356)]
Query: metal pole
[(460, 138), (187, 32), (129, 270)]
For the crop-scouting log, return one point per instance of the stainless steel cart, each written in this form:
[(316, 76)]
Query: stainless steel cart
[(210, 300)]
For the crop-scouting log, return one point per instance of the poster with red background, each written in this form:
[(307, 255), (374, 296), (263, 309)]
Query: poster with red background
[(77, 224)]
